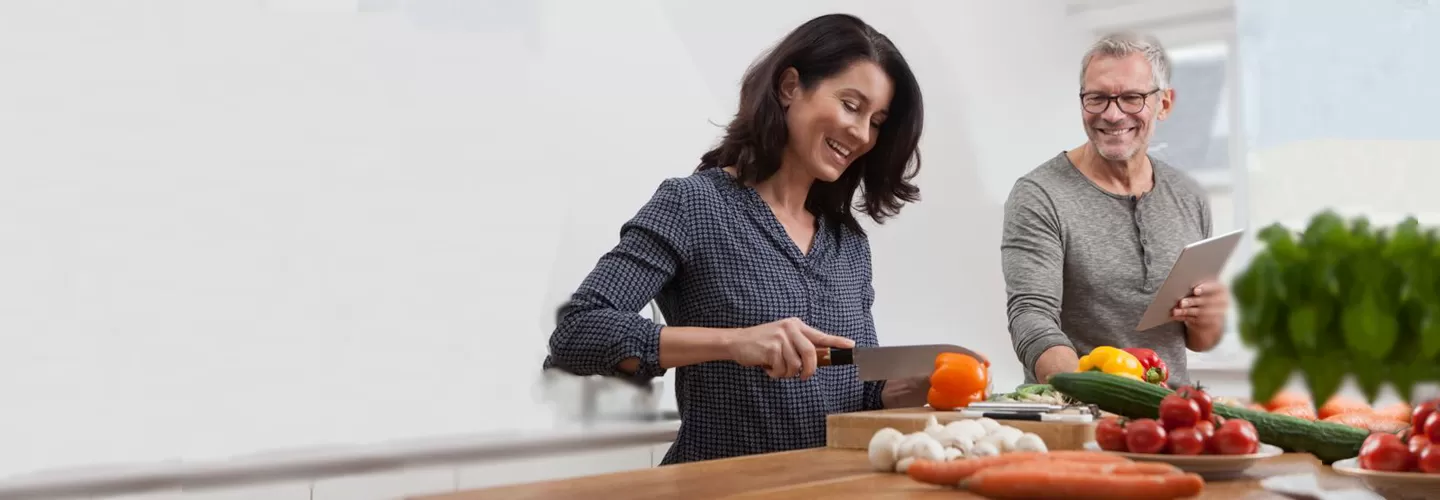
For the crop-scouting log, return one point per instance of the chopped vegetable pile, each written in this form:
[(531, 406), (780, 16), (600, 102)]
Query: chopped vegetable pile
[(1034, 393)]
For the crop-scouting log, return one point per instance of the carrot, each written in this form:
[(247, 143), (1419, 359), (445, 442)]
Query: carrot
[(1288, 398), (949, 473), (1398, 412), (1369, 421), (1340, 405), (1086, 456), (1036, 483), (1126, 468), (1299, 411)]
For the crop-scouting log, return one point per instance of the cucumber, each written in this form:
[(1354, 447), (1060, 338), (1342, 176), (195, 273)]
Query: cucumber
[(1329, 442)]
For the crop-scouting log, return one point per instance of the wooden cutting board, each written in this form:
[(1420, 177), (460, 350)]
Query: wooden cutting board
[(853, 431)]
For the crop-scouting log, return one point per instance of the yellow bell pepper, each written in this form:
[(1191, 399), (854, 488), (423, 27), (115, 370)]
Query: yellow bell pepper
[(1113, 361)]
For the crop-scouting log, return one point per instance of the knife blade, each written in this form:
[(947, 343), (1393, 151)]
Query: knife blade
[(890, 362)]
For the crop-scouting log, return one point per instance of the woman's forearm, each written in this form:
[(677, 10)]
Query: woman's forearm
[(684, 346)]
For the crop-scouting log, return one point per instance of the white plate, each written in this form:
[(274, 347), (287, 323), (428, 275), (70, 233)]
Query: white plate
[(1394, 485), (1207, 466)]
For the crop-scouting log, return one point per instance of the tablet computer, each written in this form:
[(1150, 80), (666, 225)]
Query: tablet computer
[(1199, 262)]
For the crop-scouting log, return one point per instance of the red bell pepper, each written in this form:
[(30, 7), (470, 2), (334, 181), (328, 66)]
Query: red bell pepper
[(1155, 370)]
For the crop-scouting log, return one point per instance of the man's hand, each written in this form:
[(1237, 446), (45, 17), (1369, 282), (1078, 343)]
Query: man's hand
[(906, 393), (1203, 312)]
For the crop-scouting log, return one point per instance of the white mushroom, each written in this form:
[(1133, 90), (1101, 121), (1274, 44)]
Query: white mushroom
[(953, 454), (989, 424), (939, 432), (966, 428), (908, 445), (964, 444), (984, 449), (884, 448), (995, 441), (1030, 442), (1008, 436), (927, 450), (904, 464)]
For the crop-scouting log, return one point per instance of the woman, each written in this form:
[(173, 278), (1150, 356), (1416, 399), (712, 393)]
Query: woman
[(757, 259)]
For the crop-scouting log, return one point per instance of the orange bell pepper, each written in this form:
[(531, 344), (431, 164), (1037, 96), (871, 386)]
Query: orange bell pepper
[(957, 381)]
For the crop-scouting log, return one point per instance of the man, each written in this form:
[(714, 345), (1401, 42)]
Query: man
[(1091, 234)]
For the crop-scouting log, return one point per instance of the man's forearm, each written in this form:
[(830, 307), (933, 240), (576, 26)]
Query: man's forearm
[(1057, 359)]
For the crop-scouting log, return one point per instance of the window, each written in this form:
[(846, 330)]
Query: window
[(1197, 138), (1196, 135)]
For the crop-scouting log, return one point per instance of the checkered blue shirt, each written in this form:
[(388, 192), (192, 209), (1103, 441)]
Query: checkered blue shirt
[(710, 252)]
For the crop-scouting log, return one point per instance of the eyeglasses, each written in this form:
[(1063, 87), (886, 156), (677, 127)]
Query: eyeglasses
[(1128, 103)]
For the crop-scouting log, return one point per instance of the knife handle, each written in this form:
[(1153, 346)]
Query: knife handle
[(829, 356)]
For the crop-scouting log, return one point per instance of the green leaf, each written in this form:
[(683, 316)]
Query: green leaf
[(1323, 375), (1304, 326), (1269, 373), (1368, 330), (1430, 333)]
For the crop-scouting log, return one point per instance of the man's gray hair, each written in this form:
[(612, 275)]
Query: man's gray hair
[(1125, 43)]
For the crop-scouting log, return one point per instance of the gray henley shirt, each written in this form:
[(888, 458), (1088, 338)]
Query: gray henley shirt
[(1081, 264)]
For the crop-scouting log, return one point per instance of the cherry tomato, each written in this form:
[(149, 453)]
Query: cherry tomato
[(1236, 437), (1418, 443), (1385, 452), (1110, 435), (1186, 441), (1145, 436), (1429, 459), (1201, 399), (1420, 413), (1177, 412), (1432, 427), (1206, 428)]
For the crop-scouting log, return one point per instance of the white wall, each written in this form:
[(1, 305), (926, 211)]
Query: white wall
[(231, 226)]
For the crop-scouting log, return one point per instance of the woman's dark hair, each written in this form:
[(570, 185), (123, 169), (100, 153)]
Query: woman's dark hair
[(819, 49)]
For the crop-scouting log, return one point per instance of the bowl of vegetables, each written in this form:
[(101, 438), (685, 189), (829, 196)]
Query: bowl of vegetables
[(1403, 465), (1187, 435)]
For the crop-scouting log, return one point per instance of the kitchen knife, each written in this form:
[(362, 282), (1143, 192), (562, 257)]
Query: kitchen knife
[(890, 362)]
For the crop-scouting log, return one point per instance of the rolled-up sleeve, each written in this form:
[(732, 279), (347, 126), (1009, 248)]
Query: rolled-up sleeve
[(600, 325), (1032, 255)]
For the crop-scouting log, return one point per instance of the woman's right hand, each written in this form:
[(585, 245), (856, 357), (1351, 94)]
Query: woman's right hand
[(785, 348)]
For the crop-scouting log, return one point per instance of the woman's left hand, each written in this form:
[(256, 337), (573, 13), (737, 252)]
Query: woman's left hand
[(905, 393)]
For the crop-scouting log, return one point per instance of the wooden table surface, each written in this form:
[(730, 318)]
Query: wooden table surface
[(823, 473)]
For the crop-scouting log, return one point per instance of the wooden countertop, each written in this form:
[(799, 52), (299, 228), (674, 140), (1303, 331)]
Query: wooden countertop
[(823, 473)]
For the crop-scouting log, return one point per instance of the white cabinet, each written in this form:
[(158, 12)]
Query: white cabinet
[(279, 491), (553, 467), (429, 480), (386, 485)]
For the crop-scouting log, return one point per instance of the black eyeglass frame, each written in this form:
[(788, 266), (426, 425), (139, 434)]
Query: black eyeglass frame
[(1115, 99)]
